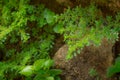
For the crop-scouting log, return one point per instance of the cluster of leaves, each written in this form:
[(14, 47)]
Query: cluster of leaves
[(114, 68), (42, 70), (94, 73), (15, 18), (86, 26), (26, 37), (27, 34)]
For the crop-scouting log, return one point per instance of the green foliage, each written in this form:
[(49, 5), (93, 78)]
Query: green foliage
[(41, 69), (86, 26), (27, 71), (93, 72), (114, 68), (15, 18), (26, 37)]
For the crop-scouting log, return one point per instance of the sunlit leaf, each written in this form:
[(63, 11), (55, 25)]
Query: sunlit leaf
[(27, 71)]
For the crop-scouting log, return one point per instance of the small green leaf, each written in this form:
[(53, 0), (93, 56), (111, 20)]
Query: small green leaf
[(55, 72), (74, 54), (49, 16), (58, 28), (48, 64), (41, 22), (27, 71), (39, 64), (93, 72), (50, 78), (78, 51)]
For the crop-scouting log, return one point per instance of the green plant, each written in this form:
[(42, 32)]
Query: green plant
[(86, 26), (41, 69), (93, 73), (26, 36), (114, 68)]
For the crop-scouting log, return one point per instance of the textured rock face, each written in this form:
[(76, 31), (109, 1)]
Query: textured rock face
[(59, 57), (99, 58)]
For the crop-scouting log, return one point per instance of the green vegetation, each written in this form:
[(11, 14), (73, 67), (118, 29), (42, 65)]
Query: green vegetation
[(93, 73), (86, 26), (114, 68), (27, 35)]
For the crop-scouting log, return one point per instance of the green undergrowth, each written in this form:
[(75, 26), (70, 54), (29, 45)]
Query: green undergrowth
[(86, 26), (114, 69), (28, 32), (26, 39)]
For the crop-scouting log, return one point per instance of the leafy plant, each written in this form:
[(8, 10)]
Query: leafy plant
[(93, 72), (114, 68), (86, 26), (26, 37), (28, 32), (41, 69)]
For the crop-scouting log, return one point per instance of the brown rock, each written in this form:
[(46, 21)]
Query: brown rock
[(99, 58)]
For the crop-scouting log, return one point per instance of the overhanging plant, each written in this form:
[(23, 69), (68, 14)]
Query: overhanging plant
[(86, 26)]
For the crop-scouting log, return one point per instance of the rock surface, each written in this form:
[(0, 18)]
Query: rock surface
[(91, 57)]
